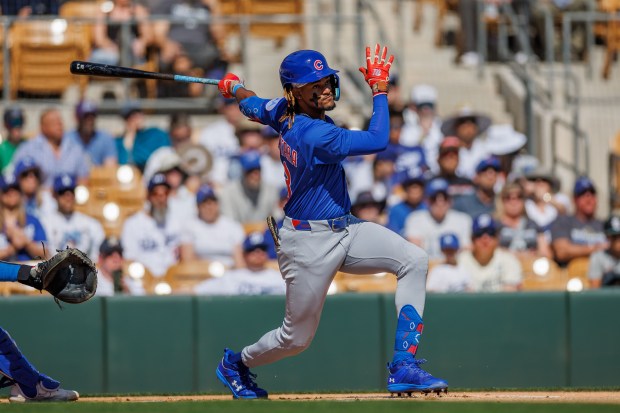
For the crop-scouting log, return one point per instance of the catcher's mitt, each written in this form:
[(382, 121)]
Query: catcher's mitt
[(70, 276)]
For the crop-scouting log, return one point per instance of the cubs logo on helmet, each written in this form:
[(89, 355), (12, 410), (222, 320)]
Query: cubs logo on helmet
[(318, 65)]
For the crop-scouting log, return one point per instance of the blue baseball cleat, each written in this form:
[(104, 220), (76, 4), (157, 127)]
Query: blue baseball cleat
[(238, 378), (406, 376)]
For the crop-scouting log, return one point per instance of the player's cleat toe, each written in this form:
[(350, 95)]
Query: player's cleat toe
[(407, 376), (43, 395), (238, 378)]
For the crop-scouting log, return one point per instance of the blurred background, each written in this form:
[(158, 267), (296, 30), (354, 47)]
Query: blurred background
[(538, 80)]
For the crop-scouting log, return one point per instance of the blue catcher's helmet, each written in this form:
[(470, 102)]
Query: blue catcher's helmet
[(307, 66)]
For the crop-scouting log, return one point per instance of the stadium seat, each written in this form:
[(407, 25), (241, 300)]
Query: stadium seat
[(542, 274), (578, 268), (384, 283), (185, 275), (41, 51), (614, 172)]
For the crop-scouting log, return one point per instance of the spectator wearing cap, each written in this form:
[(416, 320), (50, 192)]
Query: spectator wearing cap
[(469, 126), (152, 236), (368, 208), (138, 141), (580, 234), (492, 269), (14, 124), (54, 154), (21, 234), (220, 140), (482, 201), (408, 158), (67, 227), (211, 235), (424, 228), (110, 278), (167, 160), (412, 186), (604, 265), (37, 201), (97, 143), (422, 123), (448, 162), (518, 233), (270, 162), (256, 278), (248, 199), (543, 202), (447, 276)]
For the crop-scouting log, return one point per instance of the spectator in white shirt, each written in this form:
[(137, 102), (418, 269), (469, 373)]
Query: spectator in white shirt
[(211, 235), (255, 279), (67, 227), (492, 269), (448, 277)]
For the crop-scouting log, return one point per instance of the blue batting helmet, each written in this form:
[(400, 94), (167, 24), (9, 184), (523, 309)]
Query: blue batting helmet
[(307, 66)]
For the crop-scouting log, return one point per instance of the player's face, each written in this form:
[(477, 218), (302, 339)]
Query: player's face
[(316, 97)]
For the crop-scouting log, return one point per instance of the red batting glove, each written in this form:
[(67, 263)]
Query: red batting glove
[(376, 73), (226, 85)]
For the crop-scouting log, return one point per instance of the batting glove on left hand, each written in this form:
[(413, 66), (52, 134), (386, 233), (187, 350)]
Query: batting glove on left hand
[(227, 83), (377, 72)]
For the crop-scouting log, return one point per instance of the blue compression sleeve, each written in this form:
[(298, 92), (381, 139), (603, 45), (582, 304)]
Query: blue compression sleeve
[(377, 137), (8, 271)]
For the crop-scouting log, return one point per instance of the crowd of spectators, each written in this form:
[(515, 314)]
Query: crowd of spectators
[(458, 185), (477, 222)]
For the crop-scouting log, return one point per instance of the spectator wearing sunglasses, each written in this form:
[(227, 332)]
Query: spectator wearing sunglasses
[(492, 269)]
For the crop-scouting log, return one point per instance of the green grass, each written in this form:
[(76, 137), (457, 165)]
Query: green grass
[(262, 406)]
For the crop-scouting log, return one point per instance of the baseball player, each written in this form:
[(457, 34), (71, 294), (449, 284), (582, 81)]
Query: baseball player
[(69, 276), (319, 236)]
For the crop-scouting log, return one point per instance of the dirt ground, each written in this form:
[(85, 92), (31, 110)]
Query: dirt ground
[(500, 396)]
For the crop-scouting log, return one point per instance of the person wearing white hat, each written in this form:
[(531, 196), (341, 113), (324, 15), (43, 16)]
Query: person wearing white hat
[(422, 124)]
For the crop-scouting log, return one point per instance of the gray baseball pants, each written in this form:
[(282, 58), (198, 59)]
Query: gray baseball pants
[(309, 260)]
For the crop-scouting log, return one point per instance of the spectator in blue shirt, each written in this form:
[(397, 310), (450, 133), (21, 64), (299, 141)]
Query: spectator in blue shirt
[(482, 201), (138, 142), (413, 200), (97, 143), (54, 154)]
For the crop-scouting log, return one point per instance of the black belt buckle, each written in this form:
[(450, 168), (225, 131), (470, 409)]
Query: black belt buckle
[(340, 223)]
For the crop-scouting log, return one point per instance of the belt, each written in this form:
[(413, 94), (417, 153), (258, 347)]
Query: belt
[(334, 224)]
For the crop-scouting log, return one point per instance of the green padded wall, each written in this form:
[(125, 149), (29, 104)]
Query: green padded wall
[(595, 338), (343, 356), (65, 344), (493, 340), (150, 344)]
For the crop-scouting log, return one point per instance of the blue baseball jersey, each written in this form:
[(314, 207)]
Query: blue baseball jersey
[(312, 151)]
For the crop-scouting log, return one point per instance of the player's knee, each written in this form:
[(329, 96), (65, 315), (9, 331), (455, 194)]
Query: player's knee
[(416, 260), (298, 344)]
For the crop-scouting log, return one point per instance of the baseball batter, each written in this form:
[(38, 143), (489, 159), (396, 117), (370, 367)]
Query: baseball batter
[(319, 236)]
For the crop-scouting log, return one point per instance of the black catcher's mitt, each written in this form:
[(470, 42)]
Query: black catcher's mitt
[(70, 276)]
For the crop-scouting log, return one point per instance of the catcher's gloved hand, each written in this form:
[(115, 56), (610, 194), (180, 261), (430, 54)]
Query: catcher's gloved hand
[(377, 70), (70, 276)]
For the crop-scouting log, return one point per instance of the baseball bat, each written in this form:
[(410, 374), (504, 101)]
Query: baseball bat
[(97, 69)]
